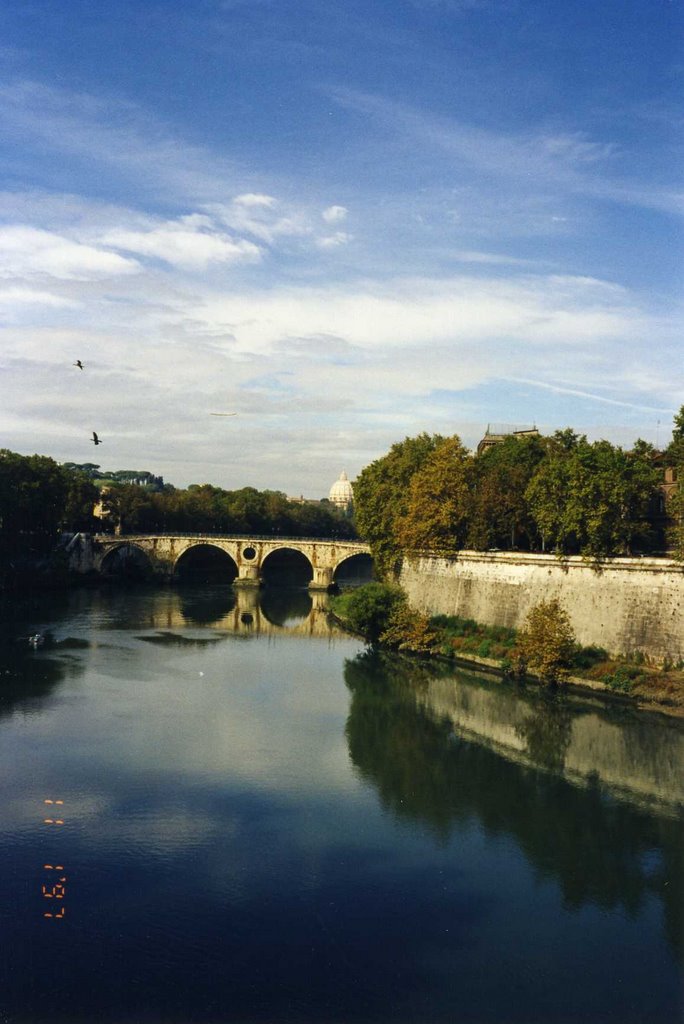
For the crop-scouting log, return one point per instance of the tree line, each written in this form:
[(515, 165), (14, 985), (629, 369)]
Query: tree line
[(558, 493), (203, 508), (41, 499)]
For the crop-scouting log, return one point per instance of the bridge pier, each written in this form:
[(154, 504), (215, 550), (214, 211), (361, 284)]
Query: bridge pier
[(248, 576), (322, 579)]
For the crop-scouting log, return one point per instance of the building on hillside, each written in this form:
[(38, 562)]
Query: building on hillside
[(341, 494), (497, 433)]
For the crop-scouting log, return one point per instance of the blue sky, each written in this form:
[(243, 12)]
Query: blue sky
[(348, 223)]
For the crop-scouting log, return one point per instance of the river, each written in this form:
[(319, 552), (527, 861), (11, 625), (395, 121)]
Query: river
[(217, 807)]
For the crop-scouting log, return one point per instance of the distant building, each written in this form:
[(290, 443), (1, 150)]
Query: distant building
[(341, 493), (101, 509), (301, 500), (497, 433)]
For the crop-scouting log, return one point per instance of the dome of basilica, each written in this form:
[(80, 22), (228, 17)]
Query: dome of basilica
[(341, 493)]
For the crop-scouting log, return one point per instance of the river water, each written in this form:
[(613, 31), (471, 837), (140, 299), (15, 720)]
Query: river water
[(216, 807)]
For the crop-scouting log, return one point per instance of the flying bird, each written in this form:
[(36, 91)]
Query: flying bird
[(223, 414), (79, 364), (96, 439)]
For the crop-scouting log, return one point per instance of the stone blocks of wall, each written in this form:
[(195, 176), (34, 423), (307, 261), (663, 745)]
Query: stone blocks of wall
[(625, 605)]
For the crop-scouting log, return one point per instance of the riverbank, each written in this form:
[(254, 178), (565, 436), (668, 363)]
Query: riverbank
[(382, 616)]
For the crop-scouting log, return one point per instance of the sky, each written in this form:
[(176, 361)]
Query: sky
[(347, 223)]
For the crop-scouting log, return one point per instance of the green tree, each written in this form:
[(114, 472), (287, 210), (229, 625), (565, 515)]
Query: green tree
[(500, 514), (593, 498), (438, 507), (80, 499), (381, 497), (129, 508), (674, 460)]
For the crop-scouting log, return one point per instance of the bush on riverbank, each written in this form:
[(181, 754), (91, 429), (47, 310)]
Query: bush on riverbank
[(381, 614), (546, 643), (367, 610)]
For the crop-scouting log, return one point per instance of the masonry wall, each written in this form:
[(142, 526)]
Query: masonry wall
[(629, 604)]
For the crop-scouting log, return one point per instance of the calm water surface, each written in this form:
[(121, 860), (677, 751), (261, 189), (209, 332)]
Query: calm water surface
[(253, 820)]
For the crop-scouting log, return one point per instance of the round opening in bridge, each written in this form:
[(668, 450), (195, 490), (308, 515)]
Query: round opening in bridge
[(354, 571), (126, 562), (249, 554), (247, 619), (286, 567), (205, 563)]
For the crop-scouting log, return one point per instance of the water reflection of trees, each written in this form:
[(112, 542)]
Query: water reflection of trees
[(600, 850), (28, 676), (547, 731)]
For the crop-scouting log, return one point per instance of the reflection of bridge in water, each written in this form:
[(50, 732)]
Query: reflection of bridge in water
[(248, 611)]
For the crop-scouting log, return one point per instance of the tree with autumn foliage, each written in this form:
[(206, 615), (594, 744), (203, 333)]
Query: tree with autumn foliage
[(546, 642), (381, 495), (439, 501)]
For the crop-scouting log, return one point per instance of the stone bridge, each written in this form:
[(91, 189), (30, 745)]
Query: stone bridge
[(249, 554)]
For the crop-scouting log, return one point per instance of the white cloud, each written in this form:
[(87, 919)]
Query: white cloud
[(29, 296), (492, 258), (335, 214), (26, 251), (261, 220), (407, 312), (190, 242), (333, 241), (255, 199)]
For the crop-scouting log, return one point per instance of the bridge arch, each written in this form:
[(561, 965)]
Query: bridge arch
[(126, 560), (288, 566), (205, 562), (352, 570)]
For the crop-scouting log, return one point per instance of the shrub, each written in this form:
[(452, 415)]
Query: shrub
[(587, 657), (546, 643), (623, 678), (408, 630), (368, 609)]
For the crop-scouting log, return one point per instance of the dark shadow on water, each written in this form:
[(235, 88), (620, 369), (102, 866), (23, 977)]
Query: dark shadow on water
[(205, 605), (28, 676), (285, 606), (164, 639)]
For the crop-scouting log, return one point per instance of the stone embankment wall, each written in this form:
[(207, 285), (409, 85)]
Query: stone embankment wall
[(625, 605)]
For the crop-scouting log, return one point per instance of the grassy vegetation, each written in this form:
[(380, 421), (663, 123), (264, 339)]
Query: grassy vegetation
[(381, 614)]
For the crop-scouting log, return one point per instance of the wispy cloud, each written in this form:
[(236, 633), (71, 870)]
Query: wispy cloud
[(191, 242), (27, 251), (567, 160), (558, 389), (114, 133)]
